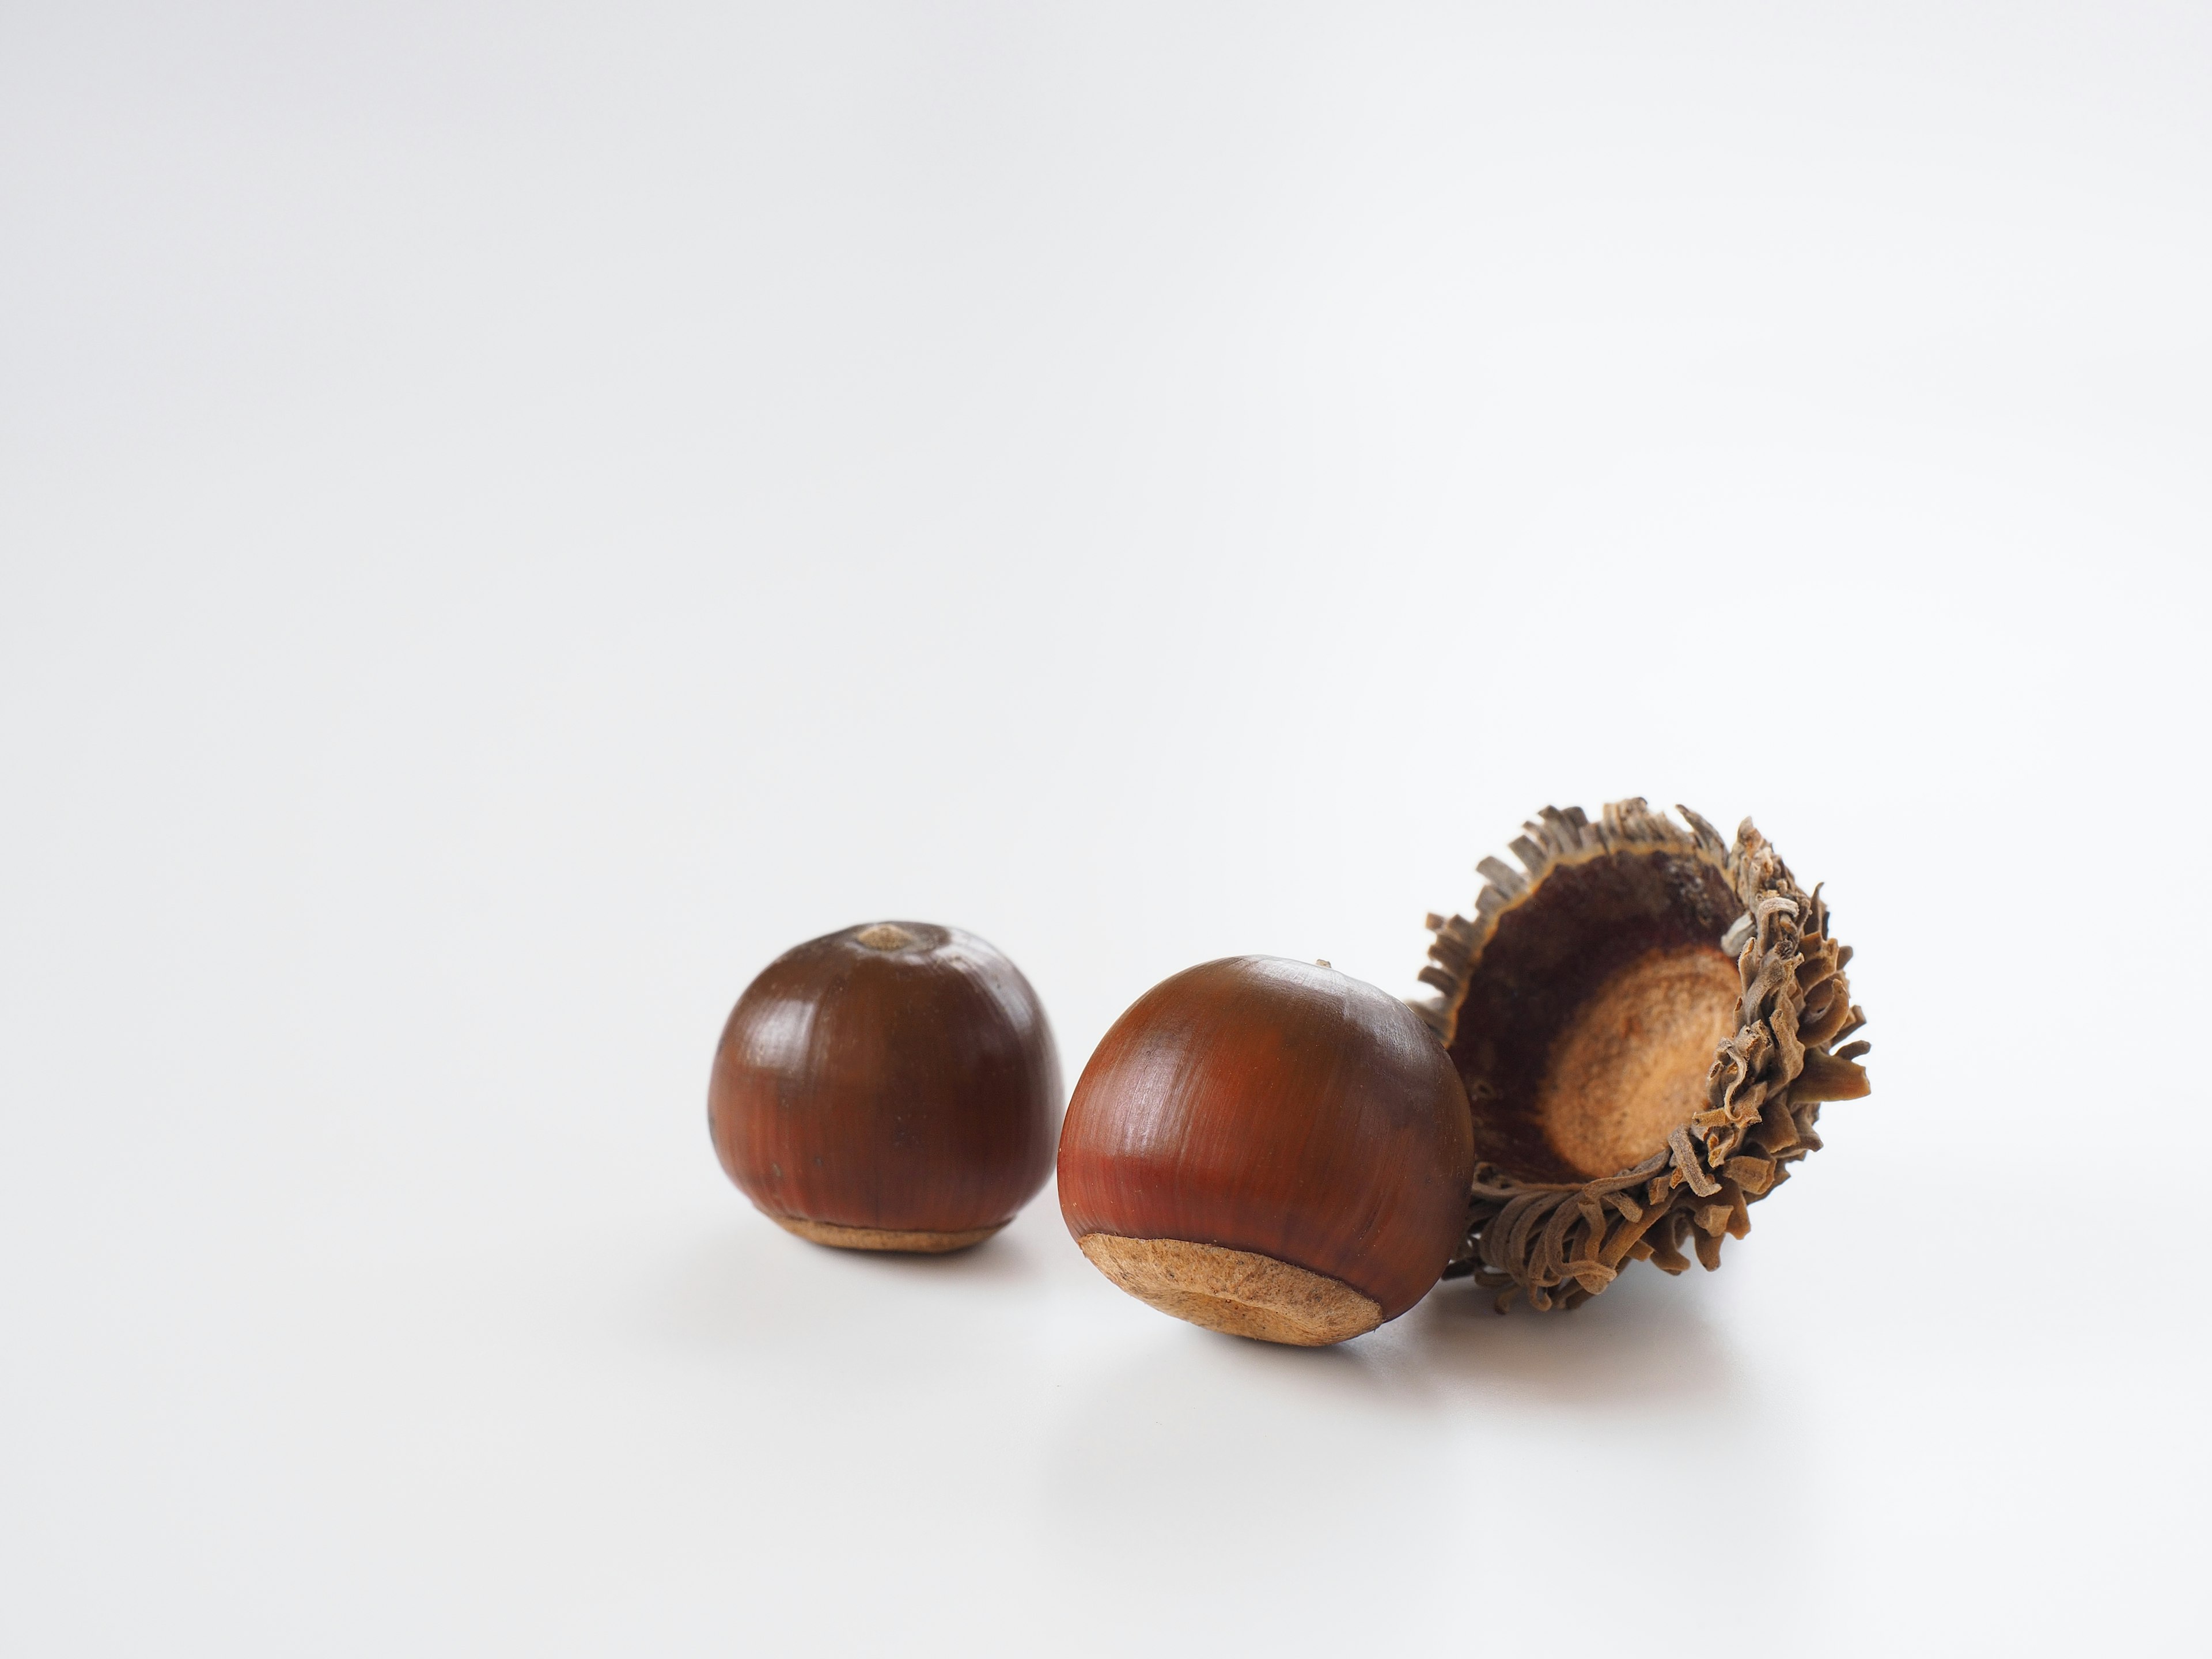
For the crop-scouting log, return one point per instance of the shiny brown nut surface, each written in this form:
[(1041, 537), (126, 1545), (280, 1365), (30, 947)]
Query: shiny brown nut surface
[(1254, 1113), (892, 1087)]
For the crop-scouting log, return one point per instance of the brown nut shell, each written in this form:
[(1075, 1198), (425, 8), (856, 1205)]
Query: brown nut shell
[(1270, 1148), (891, 1087), (1646, 1019)]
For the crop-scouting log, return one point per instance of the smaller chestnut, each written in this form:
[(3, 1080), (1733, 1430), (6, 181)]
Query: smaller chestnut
[(890, 1087), (1271, 1149)]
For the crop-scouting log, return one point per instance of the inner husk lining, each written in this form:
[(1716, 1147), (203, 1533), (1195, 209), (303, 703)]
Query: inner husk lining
[(1574, 1037)]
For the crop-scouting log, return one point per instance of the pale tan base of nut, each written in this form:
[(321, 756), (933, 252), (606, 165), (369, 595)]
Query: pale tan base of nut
[(1238, 1292), (882, 1238)]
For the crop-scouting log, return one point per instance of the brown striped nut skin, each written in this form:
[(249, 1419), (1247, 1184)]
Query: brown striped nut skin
[(909, 1084), (1280, 1108)]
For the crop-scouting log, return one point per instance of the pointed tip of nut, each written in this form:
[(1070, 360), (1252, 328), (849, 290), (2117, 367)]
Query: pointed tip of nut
[(1236, 1291), (908, 1241)]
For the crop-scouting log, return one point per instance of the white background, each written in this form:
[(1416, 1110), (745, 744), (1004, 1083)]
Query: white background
[(515, 514)]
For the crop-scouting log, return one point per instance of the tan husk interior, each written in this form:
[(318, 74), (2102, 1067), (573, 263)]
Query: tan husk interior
[(1629, 1063), (1771, 1037)]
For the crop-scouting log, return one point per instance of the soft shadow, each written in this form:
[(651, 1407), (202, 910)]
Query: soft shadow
[(1345, 1372), (1001, 1259), (1647, 1341), (1188, 1434), (1184, 1436), (746, 1285)]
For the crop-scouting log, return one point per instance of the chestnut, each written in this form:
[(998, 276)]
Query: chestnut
[(1269, 1148), (890, 1087)]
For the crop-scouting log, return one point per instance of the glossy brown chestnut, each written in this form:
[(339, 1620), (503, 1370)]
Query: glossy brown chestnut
[(1269, 1148), (891, 1087)]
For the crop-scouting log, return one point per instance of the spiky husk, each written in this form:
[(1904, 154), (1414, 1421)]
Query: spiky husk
[(1560, 1243)]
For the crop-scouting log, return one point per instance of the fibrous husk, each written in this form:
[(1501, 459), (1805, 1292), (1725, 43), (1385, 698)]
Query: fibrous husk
[(1560, 1241)]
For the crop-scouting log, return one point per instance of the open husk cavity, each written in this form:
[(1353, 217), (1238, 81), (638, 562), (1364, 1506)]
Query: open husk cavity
[(1578, 1003)]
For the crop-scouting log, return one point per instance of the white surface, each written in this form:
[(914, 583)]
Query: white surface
[(514, 515)]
